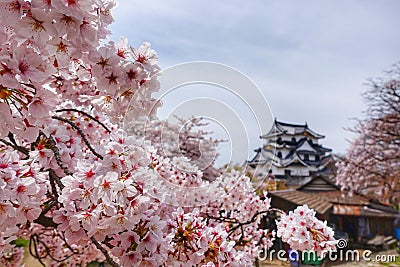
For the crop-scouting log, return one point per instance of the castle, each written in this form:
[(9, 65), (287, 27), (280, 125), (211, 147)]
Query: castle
[(291, 153)]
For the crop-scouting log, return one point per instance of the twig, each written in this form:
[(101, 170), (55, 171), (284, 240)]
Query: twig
[(87, 115), (48, 251), (53, 186), (35, 254), (222, 219), (49, 206), (240, 224), (46, 221), (104, 251), (56, 152), (12, 139), (81, 133), (54, 177), (21, 149)]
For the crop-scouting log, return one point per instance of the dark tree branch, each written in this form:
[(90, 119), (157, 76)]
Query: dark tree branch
[(21, 149), (87, 115), (54, 177), (46, 221), (239, 225), (81, 133), (54, 148), (12, 139), (104, 251), (35, 253), (49, 206), (46, 250)]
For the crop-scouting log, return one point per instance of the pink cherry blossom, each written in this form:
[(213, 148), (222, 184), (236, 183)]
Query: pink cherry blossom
[(12, 10), (6, 120), (42, 103), (75, 8), (303, 231)]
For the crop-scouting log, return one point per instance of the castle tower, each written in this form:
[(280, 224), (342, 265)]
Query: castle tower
[(292, 153)]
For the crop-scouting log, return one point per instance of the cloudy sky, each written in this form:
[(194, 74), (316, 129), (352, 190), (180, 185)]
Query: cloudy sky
[(310, 59)]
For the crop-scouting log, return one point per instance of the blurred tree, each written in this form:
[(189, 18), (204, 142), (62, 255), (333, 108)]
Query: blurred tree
[(372, 163)]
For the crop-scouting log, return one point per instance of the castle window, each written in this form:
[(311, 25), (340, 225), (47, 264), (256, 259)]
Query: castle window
[(306, 157), (293, 140), (279, 141), (279, 155), (317, 158)]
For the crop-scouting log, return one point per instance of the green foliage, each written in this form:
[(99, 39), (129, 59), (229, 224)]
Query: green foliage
[(21, 242)]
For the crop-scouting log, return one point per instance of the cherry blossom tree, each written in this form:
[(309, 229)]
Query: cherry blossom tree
[(372, 164), (186, 138), (80, 187)]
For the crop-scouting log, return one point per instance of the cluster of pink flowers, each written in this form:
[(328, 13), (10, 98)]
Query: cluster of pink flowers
[(185, 139), (241, 209), (49, 53), (303, 231), (80, 187), (22, 192), (371, 166), (48, 240), (13, 257), (194, 243)]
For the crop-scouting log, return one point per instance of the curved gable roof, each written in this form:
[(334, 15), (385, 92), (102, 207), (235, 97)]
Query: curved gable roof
[(280, 128)]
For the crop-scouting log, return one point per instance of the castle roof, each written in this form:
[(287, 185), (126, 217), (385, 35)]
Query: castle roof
[(305, 146), (281, 128)]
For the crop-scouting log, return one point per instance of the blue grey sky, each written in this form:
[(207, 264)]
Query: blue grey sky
[(310, 59)]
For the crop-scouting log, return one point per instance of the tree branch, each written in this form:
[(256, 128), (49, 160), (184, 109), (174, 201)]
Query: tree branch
[(54, 148), (54, 177), (104, 251), (21, 149), (46, 221), (87, 115), (81, 133)]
